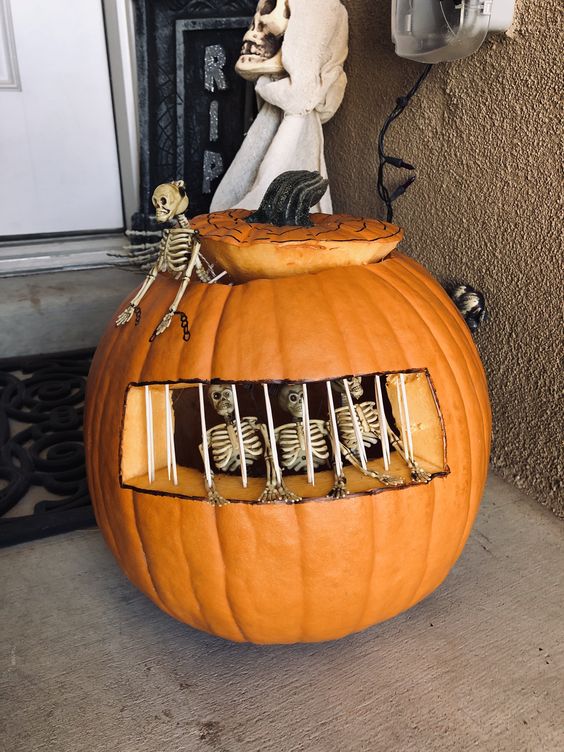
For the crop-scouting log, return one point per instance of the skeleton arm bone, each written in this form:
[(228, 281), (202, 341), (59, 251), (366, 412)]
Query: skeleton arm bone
[(388, 480), (130, 309), (186, 276), (273, 490), (339, 489), (214, 497), (417, 472)]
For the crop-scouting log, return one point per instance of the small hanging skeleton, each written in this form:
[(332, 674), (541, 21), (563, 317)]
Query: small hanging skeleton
[(291, 438), (366, 416), (223, 441), (179, 252)]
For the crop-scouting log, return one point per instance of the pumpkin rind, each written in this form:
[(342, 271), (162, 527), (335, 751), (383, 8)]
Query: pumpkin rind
[(260, 251), (317, 570)]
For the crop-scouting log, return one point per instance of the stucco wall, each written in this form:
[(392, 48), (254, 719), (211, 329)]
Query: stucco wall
[(483, 133)]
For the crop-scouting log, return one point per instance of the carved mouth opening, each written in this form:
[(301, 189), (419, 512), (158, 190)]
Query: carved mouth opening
[(282, 442)]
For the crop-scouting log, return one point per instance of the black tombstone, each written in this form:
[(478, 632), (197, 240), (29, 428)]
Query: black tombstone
[(193, 108)]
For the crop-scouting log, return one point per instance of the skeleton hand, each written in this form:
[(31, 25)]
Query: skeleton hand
[(418, 474), (215, 498), (277, 492), (165, 322), (339, 490), (126, 315)]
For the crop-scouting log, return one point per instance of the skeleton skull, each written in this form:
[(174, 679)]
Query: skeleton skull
[(221, 398), (355, 386), (169, 200), (262, 44), (290, 399)]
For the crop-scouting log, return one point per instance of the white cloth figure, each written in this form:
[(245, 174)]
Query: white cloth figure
[(287, 133)]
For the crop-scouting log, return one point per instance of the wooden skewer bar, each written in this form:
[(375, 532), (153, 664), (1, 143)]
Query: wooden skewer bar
[(240, 437), (356, 426), (168, 432), (149, 434), (334, 431), (205, 447), (406, 414), (271, 434), (170, 448), (383, 423), (307, 434)]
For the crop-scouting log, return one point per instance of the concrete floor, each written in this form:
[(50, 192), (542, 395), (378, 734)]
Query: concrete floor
[(89, 664)]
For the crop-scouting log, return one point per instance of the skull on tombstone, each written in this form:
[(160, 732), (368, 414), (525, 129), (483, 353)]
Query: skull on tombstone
[(169, 200), (261, 52)]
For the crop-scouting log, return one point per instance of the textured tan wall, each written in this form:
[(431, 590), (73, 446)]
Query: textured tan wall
[(483, 133)]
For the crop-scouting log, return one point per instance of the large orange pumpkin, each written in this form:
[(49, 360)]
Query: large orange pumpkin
[(323, 568)]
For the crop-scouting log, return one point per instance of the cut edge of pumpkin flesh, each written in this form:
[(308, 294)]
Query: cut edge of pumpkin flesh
[(259, 251), (426, 432)]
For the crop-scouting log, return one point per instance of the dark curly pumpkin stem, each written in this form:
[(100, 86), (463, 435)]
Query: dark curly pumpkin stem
[(289, 198)]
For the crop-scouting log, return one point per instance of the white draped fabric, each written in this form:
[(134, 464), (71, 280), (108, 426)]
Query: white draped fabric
[(287, 133)]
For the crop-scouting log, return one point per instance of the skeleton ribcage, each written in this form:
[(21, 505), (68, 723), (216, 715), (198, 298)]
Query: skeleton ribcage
[(367, 421), (224, 445), (175, 249), (291, 440)]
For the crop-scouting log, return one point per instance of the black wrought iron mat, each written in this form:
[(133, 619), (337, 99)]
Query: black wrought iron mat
[(41, 445)]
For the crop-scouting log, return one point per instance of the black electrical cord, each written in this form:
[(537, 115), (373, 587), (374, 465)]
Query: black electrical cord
[(384, 159)]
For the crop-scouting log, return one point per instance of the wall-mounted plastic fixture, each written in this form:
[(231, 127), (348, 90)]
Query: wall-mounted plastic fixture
[(433, 31)]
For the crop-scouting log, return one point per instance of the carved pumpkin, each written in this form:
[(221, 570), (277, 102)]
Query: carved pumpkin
[(322, 568)]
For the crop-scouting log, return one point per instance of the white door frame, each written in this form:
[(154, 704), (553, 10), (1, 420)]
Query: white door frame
[(120, 39), (90, 251)]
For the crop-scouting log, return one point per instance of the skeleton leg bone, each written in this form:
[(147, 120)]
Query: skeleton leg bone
[(418, 474), (387, 480), (275, 488), (214, 497), (339, 488), (185, 281)]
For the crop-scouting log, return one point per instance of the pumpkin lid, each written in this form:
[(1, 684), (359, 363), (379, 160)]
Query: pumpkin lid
[(260, 250)]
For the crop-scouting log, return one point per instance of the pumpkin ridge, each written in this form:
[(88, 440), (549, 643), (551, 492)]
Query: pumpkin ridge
[(327, 300), (100, 512), (180, 352), (178, 529), (368, 588), (399, 279), (433, 503), (282, 354), (304, 610), (217, 328), (470, 348), (91, 439), (471, 455), (112, 346), (120, 345), (461, 327), (472, 351), (158, 597), (483, 410), (225, 578), (398, 344)]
